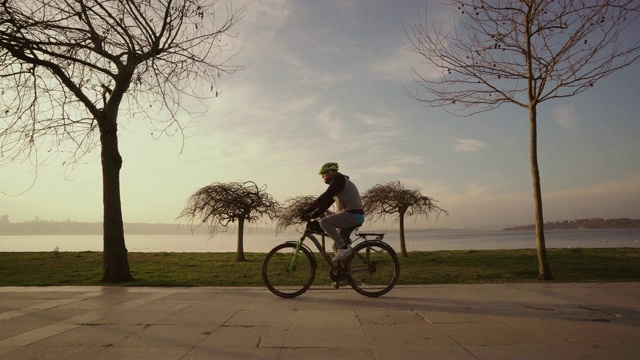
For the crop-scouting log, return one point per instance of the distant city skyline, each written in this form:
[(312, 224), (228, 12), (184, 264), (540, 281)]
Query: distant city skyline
[(6, 218)]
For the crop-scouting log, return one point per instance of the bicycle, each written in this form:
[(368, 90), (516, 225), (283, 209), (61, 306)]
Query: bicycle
[(372, 269)]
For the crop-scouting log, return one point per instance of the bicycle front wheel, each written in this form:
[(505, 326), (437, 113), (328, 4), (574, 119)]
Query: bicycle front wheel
[(288, 273), (374, 268)]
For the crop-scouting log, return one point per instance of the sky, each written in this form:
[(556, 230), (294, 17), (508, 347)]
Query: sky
[(324, 81)]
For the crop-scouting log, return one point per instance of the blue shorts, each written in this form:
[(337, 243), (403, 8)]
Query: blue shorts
[(359, 217)]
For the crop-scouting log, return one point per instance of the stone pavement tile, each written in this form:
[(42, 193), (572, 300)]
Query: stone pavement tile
[(92, 336), (231, 353), (559, 331), (230, 298), (193, 294), (275, 303), (244, 336), (611, 294), (167, 304), (36, 335), (261, 317), (141, 353), (10, 330), (34, 352), (389, 317), (584, 351), (453, 316), (313, 299), (334, 328), (519, 351), (488, 333), (574, 312), (101, 299), (324, 353), (381, 303), (44, 317), (196, 315), (443, 297), (406, 335), (342, 317), (17, 303), (419, 352), (311, 336), (167, 336), (92, 304), (36, 294), (134, 316)]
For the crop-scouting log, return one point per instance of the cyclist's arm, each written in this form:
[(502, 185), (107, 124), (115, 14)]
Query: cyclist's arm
[(326, 199)]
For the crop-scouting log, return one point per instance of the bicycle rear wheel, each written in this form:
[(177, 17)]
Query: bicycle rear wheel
[(374, 268), (286, 274)]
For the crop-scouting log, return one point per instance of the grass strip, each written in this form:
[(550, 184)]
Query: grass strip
[(419, 268)]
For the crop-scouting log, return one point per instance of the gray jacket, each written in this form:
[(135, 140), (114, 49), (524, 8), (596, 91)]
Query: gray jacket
[(344, 193)]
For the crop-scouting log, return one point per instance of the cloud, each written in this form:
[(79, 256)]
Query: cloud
[(398, 65), (331, 122), (344, 5), (466, 146), (374, 129), (258, 34), (265, 18), (566, 116)]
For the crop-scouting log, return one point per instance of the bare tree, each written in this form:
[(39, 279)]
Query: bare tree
[(220, 204), (68, 67), (293, 211), (523, 52), (395, 199)]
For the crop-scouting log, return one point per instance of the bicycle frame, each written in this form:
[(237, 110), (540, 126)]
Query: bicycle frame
[(300, 243), (310, 235)]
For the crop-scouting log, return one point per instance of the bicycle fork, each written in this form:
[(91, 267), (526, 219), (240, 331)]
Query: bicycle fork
[(292, 263)]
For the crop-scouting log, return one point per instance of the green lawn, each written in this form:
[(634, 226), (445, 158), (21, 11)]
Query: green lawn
[(221, 269)]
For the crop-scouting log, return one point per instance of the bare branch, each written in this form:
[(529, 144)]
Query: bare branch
[(57, 56), (520, 52), (294, 210)]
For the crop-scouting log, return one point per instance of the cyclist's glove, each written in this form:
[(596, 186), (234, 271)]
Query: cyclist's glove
[(310, 216)]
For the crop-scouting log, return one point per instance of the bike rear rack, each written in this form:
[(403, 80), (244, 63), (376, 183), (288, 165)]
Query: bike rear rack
[(370, 235)]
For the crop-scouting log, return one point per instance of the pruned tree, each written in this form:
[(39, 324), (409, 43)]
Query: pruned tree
[(522, 52), (69, 67), (293, 211), (221, 204), (396, 200)]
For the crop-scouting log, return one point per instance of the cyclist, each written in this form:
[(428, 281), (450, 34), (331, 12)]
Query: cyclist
[(350, 213)]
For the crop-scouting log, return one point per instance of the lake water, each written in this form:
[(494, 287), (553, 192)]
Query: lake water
[(416, 240)]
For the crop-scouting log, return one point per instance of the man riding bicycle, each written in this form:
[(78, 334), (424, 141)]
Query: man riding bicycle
[(350, 213)]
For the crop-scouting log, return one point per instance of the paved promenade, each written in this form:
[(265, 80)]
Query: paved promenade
[(532, 321)]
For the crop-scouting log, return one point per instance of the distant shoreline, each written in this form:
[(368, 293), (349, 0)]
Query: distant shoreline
[(94, 228), (579, 224)]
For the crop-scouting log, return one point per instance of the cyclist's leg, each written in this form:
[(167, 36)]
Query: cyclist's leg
[(332, 223), (346, 232)]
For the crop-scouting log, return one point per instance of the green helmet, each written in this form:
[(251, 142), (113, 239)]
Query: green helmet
[(330, 166)]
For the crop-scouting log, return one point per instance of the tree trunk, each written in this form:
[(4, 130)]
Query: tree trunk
[(543, 264), (115, 261), (240, 252), (403, 245)]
